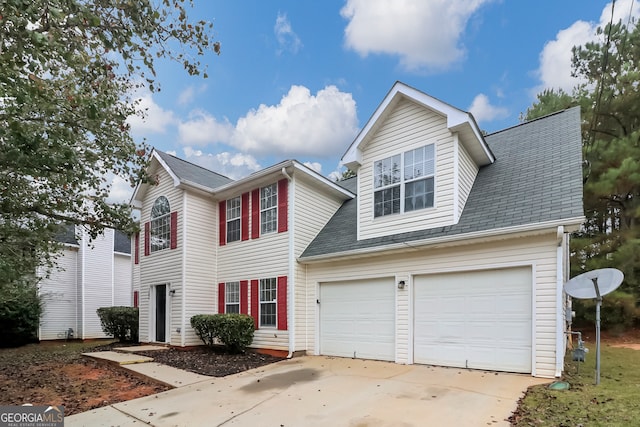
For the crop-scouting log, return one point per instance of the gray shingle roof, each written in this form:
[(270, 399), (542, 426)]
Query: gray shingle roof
[(189, 172), (537, 177)]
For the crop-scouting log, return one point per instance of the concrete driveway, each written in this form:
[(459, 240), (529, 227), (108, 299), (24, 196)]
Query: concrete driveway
[(326, 391)]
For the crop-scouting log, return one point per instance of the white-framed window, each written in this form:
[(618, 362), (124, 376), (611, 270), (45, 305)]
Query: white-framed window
[(232, 297), (160, 232), (268, 302), (233, 219), (269, 209), (404, 183)]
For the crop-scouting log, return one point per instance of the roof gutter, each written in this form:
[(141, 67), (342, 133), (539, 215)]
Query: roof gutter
[(448, 240)]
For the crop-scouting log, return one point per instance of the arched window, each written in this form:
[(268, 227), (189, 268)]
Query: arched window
[(160, 224)]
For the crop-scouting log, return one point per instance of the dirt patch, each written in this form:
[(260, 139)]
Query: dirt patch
[(57, 373)]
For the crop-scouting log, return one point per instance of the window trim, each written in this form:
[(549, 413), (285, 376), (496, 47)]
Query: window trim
[(274, 207), (402, 183), (227, 304), (274, 302), (229, 219), (162, 222)]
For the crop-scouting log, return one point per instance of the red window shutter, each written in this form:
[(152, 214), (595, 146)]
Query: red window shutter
[(244, 297), (255, 213), (174, 230), (282, 303), (254, 302), (221, 297), (245, 216), (135, 298), (222, 214), (147, 237), (283, 211), (136, 249)]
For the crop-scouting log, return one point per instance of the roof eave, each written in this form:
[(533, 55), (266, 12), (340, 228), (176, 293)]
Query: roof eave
[(570, 224)]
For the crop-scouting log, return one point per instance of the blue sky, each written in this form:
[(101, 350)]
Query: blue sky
[(298, 79)]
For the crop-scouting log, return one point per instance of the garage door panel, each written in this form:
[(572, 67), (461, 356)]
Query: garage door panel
[(479, 319), (357, 319)]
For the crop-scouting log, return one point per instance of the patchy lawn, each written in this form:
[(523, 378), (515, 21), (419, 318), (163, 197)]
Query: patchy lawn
[(614, 402), (55, 373)]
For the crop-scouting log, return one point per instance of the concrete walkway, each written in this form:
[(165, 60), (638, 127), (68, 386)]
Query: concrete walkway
[(321, 391), (145, 366)]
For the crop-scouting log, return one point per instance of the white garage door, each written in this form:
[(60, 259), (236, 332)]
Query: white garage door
[(357, 319), (476, 319)]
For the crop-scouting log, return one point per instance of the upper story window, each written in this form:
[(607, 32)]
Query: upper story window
[(160, 233), (232, 297), (233, 219), (404, 183), (269, 209)]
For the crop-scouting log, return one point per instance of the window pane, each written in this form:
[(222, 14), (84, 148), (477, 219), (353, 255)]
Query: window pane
[(268, 302), (418, 195), (233, 230), (160, 230), (232, 308), (386, 201), (232, 292)]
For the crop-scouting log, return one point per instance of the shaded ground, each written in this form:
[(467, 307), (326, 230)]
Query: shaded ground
[(57, 374)]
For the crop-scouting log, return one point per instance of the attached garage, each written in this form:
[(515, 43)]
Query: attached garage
[(476, 319), (357, 319)]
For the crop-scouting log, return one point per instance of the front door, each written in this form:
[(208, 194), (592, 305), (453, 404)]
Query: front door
[(161, 313)]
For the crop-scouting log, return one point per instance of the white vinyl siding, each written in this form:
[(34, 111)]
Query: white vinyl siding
[(468, 171), (201, 290), (122, 280), (539, 252), (98, 281), (409, 126), (313, 209), (58, 294), (162, 267)]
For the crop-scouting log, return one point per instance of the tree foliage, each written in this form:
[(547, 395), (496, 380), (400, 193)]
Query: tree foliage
[(610, 101), (68, 73)]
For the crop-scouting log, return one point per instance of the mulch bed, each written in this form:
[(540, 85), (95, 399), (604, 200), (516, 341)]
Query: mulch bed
[(215, 362)]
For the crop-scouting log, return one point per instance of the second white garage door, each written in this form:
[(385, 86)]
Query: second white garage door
[(357, 319), (478, 319)]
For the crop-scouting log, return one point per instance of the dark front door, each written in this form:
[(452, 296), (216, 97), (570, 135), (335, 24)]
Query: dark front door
[(161, 312)]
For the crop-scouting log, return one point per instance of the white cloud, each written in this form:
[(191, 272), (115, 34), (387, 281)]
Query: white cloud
[(287, 39), (555, 58), (483, 111), (202, 128), (121, 190), (314, 166), (232, 165), (300, 125), (155, 120), (424, 34), (189, 93)]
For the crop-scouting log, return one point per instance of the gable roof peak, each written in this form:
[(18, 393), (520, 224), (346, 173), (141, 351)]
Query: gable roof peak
[(458, 121)]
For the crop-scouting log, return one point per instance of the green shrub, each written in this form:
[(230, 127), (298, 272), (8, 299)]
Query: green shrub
[(19, 314), (121, 322), (618, 311), (234, 331)]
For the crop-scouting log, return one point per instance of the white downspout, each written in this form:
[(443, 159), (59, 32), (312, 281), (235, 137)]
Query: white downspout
[(560, 332), (291, 283)]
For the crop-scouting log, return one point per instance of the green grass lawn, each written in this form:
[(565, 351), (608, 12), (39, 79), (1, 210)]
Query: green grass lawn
[(614, 402)]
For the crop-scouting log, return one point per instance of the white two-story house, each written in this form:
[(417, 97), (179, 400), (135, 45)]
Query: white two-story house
[(449, 248)]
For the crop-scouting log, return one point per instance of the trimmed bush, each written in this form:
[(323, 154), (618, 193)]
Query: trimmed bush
[(234, 331), (19, 314), (121, 322), (618, 311)]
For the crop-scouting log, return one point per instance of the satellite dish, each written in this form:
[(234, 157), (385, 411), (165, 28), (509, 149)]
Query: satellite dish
[(594, 284)]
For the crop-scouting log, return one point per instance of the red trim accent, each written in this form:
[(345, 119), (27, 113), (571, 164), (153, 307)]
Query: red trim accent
[(282, 303), (254, 302), (136, 248), (283, 211), (255, 213), (244, 220), (222, 214), (221, 297), (174, 230), (147, 236), (244, 297), (135, 298)]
